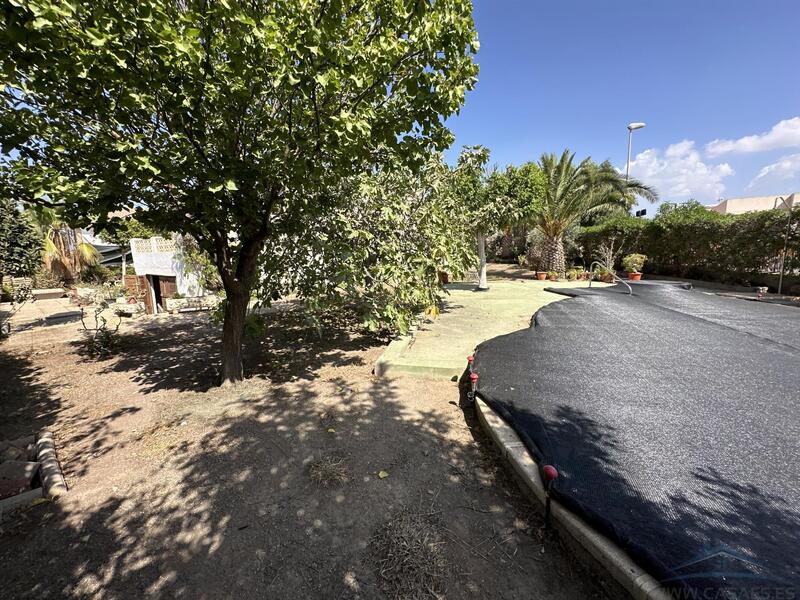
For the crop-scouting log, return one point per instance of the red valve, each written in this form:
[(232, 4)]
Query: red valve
[(550, 473), (470, 358), (473, 377)]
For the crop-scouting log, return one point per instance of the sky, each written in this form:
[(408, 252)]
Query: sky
[(716, 82)]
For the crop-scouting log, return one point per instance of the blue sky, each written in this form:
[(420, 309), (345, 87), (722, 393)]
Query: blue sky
[(706, 76)]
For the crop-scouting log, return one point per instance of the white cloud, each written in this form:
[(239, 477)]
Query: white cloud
[(785, 134), (679, 172), (787, 167)]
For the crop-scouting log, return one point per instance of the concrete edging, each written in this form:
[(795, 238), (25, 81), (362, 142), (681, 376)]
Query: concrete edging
[(53, 483), (635, 580)]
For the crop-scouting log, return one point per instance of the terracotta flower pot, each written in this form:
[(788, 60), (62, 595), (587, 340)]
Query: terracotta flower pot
[(635, 276), (541, 276)]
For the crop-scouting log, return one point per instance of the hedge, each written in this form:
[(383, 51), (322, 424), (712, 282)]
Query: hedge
[(689, 240)]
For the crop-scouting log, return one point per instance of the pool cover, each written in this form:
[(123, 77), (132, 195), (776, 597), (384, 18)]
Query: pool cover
[(673, 418)]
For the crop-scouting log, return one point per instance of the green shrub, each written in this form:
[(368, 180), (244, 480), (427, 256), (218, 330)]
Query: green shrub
[(96, 274), (688, 240), (633, 263), (45, 279)]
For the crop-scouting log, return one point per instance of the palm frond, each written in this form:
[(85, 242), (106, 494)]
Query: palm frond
[(87, 254)]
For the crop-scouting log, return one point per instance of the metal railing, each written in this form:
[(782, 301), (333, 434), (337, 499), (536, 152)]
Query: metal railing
[(613, 274)]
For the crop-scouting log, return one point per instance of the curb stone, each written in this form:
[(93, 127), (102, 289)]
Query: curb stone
[(637, 582), (53, 483)]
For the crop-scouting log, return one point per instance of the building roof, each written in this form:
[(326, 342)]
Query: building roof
[(737, 206)]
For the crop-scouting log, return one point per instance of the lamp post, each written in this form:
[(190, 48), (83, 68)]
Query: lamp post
[(789, 206), (631, 128)]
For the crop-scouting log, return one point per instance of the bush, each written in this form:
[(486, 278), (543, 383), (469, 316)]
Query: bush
[(43, 278), (96, 274), (633, 263), (688, 240)]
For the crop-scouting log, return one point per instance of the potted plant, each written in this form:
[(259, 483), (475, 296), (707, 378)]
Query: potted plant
[(604, 275), (552, 276), (541, 275), (633, 264)]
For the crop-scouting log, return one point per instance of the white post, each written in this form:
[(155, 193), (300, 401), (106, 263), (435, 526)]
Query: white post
[(482, 284)]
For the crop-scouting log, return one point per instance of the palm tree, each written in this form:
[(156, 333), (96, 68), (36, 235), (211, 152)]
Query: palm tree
[(64, 251), (572, 192)]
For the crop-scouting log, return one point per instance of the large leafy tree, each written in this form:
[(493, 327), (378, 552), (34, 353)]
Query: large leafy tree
[(573, 191), (224, 119), (486, 198), (382, 249), (20, 242)]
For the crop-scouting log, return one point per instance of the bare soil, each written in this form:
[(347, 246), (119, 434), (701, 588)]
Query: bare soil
[(312, 479)]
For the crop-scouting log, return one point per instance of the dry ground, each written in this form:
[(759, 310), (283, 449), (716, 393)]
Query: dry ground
[(271, 489)]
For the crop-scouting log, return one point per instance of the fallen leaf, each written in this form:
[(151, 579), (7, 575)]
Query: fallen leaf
[(383, 474), (331, 430)]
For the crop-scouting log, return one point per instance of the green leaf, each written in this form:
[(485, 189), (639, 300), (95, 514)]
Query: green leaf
[(230, 185), (215, 188)]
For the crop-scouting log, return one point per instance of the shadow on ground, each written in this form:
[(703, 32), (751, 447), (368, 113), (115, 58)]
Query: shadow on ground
[(211, 495), (292, 347)]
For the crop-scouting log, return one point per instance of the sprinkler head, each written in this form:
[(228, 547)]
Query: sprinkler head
[(550, 473)]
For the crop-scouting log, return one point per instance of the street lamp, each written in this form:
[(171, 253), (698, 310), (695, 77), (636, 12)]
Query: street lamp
[(631, 128)]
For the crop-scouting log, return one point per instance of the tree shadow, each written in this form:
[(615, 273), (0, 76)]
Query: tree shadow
[(230, 510), (27, 404), (183, 353)]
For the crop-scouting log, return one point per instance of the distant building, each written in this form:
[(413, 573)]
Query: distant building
[(738, 206), (162, 272)]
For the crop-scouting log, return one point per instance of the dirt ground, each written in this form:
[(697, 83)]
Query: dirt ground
[(313, 479)]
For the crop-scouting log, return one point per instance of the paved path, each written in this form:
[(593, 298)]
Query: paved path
[(41, 312), (439, 348), (672, 418)]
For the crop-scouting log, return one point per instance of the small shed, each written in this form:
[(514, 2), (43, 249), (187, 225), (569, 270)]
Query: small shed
[(162, 272)]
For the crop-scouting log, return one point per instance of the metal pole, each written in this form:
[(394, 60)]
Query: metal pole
[(785, 243), (628, 164)]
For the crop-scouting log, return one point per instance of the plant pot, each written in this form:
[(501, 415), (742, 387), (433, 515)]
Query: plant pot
[(635, 276), (553, 278), (541, 276), (607, 277)]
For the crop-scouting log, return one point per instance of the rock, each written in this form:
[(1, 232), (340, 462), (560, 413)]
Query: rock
[(18, 470)]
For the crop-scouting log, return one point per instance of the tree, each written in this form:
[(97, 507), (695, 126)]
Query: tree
[(382, 250), (127, 228), (64, 251), (225, 119), (20, 243), (486, 198), (572, 192)]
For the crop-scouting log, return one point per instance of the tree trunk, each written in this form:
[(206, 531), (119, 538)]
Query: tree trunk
[(236, 300), (482, 284), (554, 254)]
